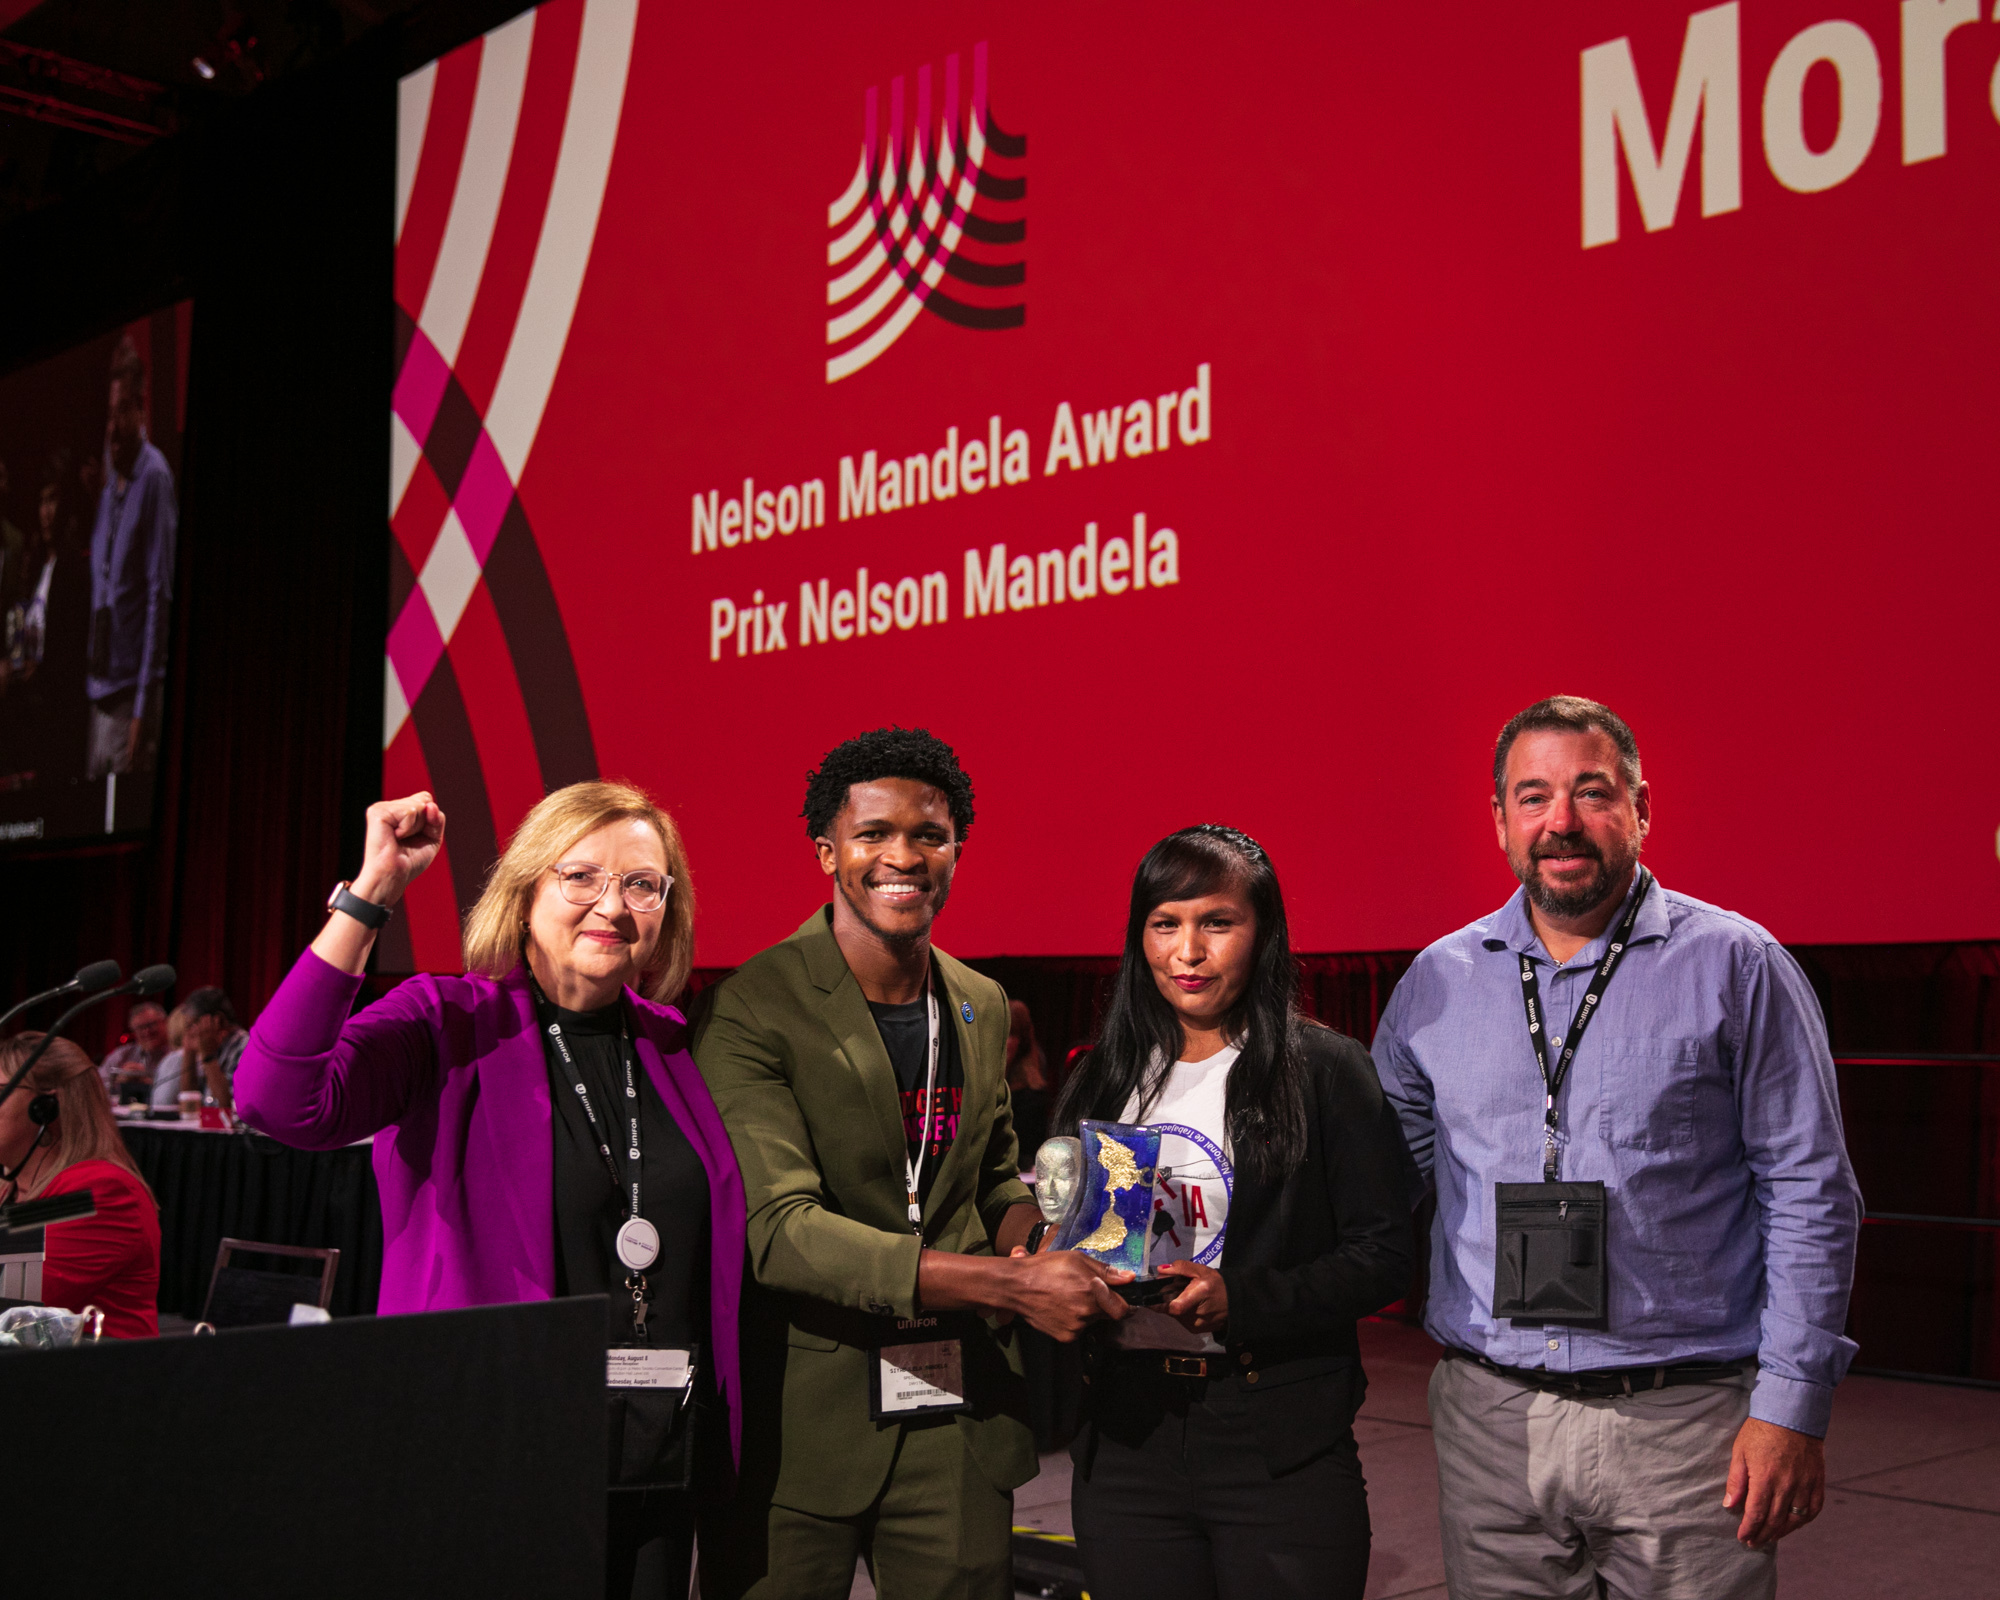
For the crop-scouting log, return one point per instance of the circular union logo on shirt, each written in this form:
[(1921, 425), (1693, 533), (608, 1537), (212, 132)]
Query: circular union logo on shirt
[(1208, 1147)]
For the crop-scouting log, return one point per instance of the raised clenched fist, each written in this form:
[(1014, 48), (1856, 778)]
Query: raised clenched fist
[(403, 838)]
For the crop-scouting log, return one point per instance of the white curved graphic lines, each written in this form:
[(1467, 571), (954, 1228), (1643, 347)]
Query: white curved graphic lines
[(924, 189), (482, 179)]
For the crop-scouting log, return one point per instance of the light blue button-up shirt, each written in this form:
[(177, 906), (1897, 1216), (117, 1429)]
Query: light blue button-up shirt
[(132, 575), (1702, 1097)]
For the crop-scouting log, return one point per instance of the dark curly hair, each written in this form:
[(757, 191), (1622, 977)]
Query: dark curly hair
[(886, 753)]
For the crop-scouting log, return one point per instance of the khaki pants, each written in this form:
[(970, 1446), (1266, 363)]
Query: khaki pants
[(939, 1531), (1540, 1497), (111, 733)]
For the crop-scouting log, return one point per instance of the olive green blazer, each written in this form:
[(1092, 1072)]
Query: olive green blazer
[(797, 1066)]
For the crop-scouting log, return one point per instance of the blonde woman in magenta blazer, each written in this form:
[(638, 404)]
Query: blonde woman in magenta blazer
[(449, 1073)]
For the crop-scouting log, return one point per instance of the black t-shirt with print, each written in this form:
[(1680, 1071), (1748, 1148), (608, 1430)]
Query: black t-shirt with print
[(906, 1035)]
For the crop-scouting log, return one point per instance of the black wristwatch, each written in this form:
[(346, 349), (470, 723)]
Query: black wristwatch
[(1035, 1235), (365, 912)]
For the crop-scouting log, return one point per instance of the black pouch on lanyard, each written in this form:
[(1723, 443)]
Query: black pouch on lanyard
[(656, 1434), (1548, 1246), (1548, 1264)]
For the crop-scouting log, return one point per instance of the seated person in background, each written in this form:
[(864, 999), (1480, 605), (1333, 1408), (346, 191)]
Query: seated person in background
[(167, 1075), (215, 1039), (56, 1137), (128, 1071), (1027, 1067), (1027, 1081)]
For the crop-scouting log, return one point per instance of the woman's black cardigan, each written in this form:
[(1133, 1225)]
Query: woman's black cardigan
[(1308, 1255)]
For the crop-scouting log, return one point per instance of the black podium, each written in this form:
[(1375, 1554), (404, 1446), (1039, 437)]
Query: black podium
[(460, 1453)]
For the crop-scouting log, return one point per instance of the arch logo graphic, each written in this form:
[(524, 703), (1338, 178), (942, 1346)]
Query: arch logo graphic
[(933, 220)]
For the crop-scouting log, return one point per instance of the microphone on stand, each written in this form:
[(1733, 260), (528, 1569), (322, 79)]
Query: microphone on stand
[(24, 1216), (98, 975), (149, 980)]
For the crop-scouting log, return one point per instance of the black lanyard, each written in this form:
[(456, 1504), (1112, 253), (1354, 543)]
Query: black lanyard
[(1531, 997), (590, 1111), (635, 1278)]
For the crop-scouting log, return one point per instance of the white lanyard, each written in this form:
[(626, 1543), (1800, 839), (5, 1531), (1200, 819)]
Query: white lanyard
[(914, 1170)]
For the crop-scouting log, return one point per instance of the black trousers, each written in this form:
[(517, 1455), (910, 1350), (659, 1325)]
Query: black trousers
[(1171, 1498), (648, 1544)]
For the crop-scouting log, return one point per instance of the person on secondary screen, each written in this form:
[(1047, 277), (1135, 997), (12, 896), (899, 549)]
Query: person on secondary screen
[(13, 542), (48, 629), (861, 1072), (1217, 1452), (1664, 1447), (57, 1136), (131, 580), (551, 1135), (127, 1072)]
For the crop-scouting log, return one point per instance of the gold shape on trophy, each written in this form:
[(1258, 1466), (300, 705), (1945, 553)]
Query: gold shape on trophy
[(1121, 1171)]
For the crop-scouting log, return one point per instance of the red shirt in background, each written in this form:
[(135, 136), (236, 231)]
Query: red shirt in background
[(111, 1260)]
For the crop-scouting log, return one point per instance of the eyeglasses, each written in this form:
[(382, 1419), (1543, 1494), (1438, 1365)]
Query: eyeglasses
[(583, 884)]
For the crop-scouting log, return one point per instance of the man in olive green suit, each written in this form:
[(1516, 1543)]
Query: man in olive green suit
[(861, 1074)]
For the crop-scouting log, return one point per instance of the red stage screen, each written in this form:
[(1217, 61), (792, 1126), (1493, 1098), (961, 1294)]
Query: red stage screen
[(1209, 417)]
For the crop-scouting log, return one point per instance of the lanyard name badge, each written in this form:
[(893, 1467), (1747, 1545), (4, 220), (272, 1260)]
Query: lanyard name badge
[(922, 1376), (1549, 1263), (638, 1241)]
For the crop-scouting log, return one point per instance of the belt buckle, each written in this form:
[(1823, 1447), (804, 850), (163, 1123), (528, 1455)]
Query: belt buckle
[(1186, 1366)]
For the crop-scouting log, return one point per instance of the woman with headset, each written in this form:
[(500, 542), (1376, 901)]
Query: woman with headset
[(57, 1135)]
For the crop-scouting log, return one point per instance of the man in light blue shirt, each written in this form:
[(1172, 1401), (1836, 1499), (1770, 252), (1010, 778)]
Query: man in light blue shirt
[(1667, 1448), (131, 580)]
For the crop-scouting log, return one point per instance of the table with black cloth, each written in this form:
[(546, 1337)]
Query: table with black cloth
[(213, 1186)]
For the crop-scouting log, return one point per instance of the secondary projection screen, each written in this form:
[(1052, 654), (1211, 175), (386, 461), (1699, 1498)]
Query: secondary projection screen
[(1209, 416), (90, 463)]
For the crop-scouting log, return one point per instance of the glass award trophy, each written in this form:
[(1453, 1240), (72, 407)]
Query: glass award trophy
[(1097, 1194)]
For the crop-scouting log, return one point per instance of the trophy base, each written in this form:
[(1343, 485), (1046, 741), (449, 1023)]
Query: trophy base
[(1148, 1291)]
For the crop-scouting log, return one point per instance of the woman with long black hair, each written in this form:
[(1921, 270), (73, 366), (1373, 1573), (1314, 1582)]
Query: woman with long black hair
[(1217, 1456)]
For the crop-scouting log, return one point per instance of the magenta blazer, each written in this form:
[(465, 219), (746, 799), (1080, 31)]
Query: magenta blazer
[(448, 1074)]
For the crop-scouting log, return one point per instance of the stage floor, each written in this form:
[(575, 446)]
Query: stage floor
[(1913, 1507)]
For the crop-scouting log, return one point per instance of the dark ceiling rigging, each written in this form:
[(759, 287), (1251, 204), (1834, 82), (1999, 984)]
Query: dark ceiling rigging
[(84, 84)]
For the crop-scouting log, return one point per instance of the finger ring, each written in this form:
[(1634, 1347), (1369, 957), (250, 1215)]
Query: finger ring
[(1800, 1511)]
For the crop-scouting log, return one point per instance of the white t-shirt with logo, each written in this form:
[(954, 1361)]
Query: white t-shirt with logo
[(1192, 1193)]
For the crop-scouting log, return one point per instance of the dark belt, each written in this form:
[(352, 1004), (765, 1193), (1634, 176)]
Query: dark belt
[(1605, 1385), (1174, 1366)]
